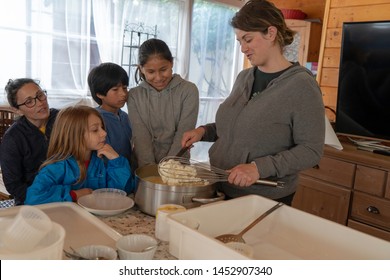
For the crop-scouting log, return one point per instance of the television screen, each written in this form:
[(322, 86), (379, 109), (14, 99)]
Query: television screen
[(363, 100)]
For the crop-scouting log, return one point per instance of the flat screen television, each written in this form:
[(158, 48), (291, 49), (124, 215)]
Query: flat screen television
[(363, 99)]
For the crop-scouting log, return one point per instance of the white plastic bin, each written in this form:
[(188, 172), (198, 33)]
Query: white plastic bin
[(287, 233)]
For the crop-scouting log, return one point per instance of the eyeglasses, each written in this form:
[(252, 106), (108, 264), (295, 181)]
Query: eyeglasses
[(30, 102)]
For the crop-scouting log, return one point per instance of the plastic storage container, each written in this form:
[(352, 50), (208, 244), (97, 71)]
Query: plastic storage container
[(287, 233), (49, 248), (81, 227)]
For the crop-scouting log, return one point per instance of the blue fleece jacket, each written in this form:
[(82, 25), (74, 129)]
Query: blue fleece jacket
[(118, 131), (55, 181)]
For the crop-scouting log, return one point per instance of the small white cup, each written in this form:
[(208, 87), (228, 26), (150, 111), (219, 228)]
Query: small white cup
[(162, 226), (28, 228), (130, 247)]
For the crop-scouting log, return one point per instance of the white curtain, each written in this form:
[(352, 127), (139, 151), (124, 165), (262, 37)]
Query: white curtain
[(78, 40), (54, 41), (109, 20), (108, 23), (215, 61), (184, 43)]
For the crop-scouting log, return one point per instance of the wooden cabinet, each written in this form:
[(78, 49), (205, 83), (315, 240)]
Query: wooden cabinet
[(298, 50), (350, 187), (7, 117), (306, 45), (325, 190), (322, 199), (315, 12), (371, 209)]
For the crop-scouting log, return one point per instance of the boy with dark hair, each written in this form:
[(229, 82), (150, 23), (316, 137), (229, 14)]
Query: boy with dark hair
[(108, 84)]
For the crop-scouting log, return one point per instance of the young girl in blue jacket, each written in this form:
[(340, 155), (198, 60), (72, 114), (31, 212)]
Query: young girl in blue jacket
[(79, 160)]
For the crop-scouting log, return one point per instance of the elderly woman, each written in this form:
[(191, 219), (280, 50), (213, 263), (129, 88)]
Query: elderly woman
[(24, 145)]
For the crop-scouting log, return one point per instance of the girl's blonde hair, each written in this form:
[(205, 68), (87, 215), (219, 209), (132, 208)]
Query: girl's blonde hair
[(68, 136)]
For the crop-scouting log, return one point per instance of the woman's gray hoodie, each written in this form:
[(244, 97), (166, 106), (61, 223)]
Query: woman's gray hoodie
[(282, 130), (159, 118)]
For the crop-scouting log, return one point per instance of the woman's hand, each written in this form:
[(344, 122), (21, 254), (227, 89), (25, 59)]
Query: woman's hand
[(192, 136), (108, 152), (243, 175)]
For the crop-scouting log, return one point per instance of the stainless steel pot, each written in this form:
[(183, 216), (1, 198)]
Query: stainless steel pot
[(150, 195)]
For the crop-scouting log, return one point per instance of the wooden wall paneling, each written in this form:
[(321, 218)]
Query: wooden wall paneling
[(368, 12), (330, 77), (336, 13), (323, 40), (331, 57), (334, 36), (329, 95), (329, 86), (349, 3)]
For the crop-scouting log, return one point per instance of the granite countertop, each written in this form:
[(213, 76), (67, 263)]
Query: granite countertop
[(134, 221)]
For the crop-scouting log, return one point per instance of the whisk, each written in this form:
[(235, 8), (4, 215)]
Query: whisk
[(186, 171)]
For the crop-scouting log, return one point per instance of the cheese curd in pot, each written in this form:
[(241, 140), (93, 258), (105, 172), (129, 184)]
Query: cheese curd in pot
[(175, 173)]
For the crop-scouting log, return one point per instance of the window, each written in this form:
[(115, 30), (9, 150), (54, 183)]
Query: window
[(213, 63), (58, 42), (145, 16), (51, 41)]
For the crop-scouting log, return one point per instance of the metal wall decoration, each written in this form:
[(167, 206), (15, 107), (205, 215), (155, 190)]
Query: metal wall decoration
[(133, 36)]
